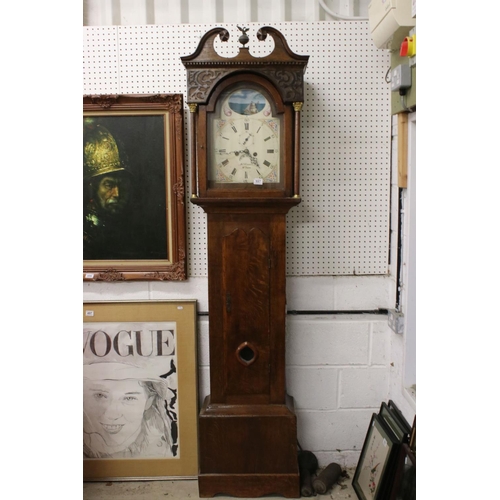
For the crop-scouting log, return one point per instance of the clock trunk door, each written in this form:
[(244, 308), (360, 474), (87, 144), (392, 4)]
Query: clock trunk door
[(246, 314)]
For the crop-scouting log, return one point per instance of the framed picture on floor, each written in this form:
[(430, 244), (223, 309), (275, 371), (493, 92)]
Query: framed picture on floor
[(140, 403), (405, 475), (376, 461), (398, 415), (134, 213), (413, 436), (400, 430)]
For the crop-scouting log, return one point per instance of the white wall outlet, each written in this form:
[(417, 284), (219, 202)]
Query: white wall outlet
[(400, 77), (396, 321)]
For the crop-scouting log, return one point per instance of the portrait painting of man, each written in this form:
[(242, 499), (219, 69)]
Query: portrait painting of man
[(124, 188)]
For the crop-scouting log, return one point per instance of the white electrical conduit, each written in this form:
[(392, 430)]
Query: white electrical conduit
[(338, 16)]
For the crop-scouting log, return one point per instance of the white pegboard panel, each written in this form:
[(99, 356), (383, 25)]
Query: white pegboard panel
[(100, 60), (342, 225)]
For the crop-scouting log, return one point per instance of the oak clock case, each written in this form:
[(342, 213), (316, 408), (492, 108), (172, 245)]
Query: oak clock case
[(245, 130)]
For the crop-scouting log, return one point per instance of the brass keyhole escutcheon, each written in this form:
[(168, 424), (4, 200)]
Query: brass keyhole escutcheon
[(246, 354)]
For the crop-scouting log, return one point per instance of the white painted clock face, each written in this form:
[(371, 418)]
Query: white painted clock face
[(245, 140)]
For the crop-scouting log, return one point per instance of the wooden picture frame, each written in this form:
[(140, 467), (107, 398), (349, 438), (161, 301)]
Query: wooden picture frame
[(370, 481), (398, 415), (134, 213), (140, 400), (405, 473), (413, 436), (393, 420)]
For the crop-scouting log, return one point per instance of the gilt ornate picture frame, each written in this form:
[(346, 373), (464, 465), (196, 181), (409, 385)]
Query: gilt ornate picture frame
[(134, 214)]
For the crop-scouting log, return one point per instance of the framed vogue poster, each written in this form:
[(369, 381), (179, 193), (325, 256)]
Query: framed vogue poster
[(140, 402), (134, 214)]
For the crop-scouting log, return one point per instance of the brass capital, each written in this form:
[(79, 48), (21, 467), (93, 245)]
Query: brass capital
[(193, 106), (297, 106)]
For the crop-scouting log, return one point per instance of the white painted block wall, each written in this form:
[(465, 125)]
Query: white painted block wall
[(337, 371)]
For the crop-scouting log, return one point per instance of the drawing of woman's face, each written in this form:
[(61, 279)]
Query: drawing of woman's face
[(115, 409)]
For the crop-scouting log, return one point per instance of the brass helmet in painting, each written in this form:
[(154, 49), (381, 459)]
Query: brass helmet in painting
[(100, 151)]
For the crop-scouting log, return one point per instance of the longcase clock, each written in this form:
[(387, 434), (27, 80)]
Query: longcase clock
[(245, 129)]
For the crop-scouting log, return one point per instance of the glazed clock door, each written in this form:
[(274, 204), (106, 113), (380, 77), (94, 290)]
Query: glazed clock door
[(248, 151), (245, 139)]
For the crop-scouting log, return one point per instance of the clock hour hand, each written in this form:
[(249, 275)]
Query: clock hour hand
[(253, 158), (243, 152), (246, 140), (236, 152)]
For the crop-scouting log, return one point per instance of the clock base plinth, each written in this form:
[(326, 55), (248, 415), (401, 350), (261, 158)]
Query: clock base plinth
[(248, 450), (248, 485)]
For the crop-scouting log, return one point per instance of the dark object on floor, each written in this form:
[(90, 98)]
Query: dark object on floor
[(308, 464), (327, 478)]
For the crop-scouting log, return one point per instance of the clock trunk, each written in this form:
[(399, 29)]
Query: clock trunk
[(248, 428)]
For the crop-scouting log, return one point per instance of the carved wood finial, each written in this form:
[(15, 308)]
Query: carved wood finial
[(243, 39)]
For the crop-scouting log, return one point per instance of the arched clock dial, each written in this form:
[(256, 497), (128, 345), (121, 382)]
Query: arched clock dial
[(244, 139)]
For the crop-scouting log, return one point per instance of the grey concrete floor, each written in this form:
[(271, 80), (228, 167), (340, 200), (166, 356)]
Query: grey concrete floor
[(166, 490)]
